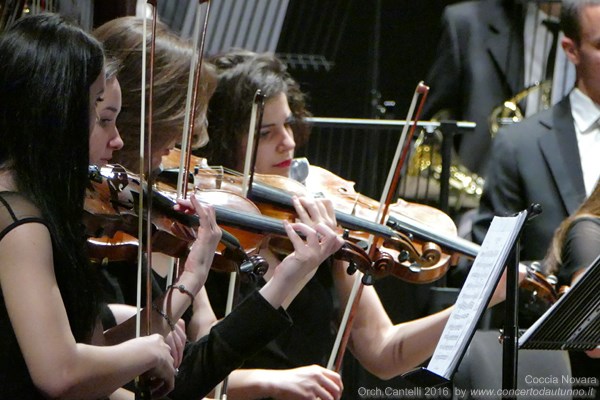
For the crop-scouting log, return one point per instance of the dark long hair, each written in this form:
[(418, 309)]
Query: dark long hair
[(48, 66), (240, 74)]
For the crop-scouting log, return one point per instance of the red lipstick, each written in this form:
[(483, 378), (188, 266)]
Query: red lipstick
[(284, 164)]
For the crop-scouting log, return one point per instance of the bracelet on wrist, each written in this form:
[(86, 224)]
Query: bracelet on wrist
[(164, 315), (182, 289)]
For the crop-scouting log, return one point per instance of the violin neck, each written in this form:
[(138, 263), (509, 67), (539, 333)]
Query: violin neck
[(407, 226), (238, 219), (420, 231), (261, 192), (166, 206), (251, 222)]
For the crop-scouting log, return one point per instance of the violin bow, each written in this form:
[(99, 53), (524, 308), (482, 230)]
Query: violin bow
[(341, 340), (199, 38), (256, 115), (145, 246)]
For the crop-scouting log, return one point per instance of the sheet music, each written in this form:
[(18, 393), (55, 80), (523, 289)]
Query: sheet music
[(475, 294)]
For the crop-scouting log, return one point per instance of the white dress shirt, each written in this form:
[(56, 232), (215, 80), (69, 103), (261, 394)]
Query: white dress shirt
[(586, 115)]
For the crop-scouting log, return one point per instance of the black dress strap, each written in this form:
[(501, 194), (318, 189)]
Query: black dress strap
[(15, 210)]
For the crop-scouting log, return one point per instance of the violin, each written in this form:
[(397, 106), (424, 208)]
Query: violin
[(111, 218), (423, 262), (349, 203), (537, 293), (112, 198)]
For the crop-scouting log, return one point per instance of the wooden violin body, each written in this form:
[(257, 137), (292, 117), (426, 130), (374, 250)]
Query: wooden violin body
[(348, 201), (396, 254), (111, 201)]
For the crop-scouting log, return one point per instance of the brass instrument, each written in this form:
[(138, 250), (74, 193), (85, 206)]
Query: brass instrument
[(466, 187), (509, 112), (426, 164)]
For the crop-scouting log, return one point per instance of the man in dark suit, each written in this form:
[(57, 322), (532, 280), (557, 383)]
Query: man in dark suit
[(537, 161), (540, 159), (479, 65)]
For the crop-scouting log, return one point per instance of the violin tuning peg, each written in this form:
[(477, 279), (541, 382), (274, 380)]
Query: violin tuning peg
[(351, 268), (553, 280), (403, 256), (246, 267), (536, 266), (368, 279), (346, 234), (255, 265), (261, 266), (363, 244)]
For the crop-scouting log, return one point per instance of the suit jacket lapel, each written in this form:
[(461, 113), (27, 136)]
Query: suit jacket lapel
[(560, 150), (504, 41)]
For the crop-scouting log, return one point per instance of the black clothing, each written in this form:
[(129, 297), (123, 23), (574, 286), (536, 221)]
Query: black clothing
[(479, 64), (206, 362), (243, 333), (15, 380), (534, 161), (580, 249), (309, 340)]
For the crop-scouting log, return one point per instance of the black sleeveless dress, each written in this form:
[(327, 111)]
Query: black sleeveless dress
[(15, 381)]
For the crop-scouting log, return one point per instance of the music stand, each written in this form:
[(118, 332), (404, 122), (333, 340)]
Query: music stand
[(573, 322), (499, 243)]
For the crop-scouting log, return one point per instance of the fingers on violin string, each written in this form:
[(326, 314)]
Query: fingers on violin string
[(300, 210), (293, 231), (206, 213), (292, 235), (314, 208), (328, 210), (212, 217), (324, 232), (185, 206), (196, 204), (329, 237), (312, 238)]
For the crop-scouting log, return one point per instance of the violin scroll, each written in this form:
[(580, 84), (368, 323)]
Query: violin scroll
[(536, 294)]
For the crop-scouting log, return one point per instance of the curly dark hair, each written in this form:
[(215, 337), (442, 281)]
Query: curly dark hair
[(240, 74)]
